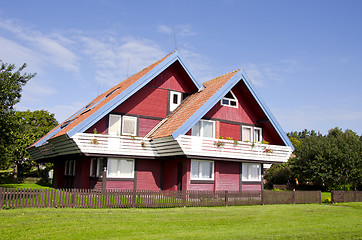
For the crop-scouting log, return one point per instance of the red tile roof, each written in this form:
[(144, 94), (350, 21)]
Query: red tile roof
[(190, 105), (100, 101)]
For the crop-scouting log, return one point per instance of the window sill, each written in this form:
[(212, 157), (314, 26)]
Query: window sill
[(251, 181), (119, 179), (202, 181)]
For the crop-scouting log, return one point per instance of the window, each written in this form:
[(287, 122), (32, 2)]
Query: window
[(202, 170), (69, 168), (204, 128), (129, 126), (120, 168), (96, 167), (114, 126), (258, 137), (251, 172), (229, 100), (252, 134), (175, 100)]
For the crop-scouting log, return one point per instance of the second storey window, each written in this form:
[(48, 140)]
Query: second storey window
[(122, 125), (120, 168), (252, 134), (204, 128), (129, 125), (202, 170)]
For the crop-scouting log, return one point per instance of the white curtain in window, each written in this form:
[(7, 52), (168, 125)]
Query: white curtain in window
[(247, 134), (112, 167), (129, 126), (206, 170), (195, 169), (114, 125), (208, 129), (196, 130)]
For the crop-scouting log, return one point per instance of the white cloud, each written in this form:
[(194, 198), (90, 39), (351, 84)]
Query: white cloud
[(164, 29), (115, 60), (51, 47)]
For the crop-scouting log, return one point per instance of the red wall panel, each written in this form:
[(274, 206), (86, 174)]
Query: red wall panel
[(229, 130), (148, 101), (146, 125), (81, 178), (251, 187), (101, 126), (228, 177), (149, 175), (124, 185), (58, 176), (174, 78), (170, 174)]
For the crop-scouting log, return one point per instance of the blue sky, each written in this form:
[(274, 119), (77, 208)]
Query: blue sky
[(304, 57)]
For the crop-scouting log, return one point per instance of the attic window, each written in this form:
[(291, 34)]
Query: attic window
[(175, 100), (229, 100)]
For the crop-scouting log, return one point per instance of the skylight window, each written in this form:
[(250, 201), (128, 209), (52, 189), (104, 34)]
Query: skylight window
[(229, 100)]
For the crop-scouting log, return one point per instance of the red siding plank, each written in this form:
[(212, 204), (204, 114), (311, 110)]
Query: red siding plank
[(149, 175)]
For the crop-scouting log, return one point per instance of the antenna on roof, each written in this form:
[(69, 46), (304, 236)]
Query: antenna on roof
[(127, 67), (174, 37)]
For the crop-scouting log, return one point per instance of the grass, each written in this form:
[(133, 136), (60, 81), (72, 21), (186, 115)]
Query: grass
[(23, 185), (300, 221)]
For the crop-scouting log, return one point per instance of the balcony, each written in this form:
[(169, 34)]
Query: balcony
[(113, 145), (193, 146), (190, 146)]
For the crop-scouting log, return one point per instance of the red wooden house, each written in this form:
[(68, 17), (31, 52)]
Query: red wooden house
[(162, 129)]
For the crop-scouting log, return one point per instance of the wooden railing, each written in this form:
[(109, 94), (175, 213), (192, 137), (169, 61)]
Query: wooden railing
[(109, 144), (85, 198), (211, 147)]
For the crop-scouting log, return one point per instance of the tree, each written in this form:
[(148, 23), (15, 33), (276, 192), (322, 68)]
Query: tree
[(11, 84), (333, 161), (279, 174), (32, 126)]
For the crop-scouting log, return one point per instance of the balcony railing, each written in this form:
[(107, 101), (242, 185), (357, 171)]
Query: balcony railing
[(183, 145), (114, 145), (221, 148)]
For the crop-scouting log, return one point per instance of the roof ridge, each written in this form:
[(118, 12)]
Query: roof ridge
[(223, 75)]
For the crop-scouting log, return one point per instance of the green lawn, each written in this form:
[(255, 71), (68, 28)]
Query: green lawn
[(23, 185), (301, 221)]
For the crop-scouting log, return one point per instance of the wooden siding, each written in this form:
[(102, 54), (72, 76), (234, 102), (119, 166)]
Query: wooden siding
[(101, 126), (82, 172), (117, 184), (174, 78), (146, 125), (227, 176), (147, 101), (148, 175), (250, 187), (58, 175), (229, 130), (170, 174)]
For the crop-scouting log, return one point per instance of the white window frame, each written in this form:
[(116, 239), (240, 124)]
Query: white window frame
[(229, 100), (173, 105), (200, 170), (69, 169), (247, 172), (252, 132), (260, 134), (202, 128), (119, 117), (96, 166), (119, 165), (135, 125)]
